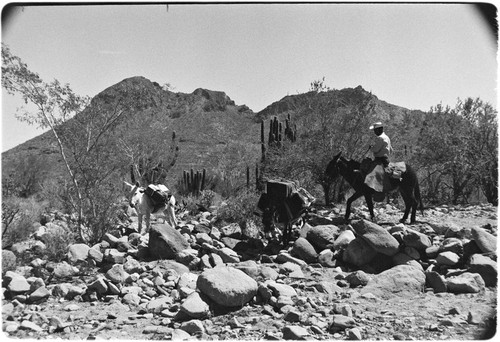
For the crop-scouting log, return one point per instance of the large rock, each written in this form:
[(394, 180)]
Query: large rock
[(117, 274), (465, 283), (485, 241), (486, 267), (195, 307), (227, 286), (415, 239), (344, 238), (358, 252), (281, 289), (64, 270), (165, 242), (395, 281), (304, 250), (322, 236), (77, 253), (378, 237), (436, 281), (17, 283)]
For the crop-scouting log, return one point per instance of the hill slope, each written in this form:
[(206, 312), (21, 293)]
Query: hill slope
[(205, 121)]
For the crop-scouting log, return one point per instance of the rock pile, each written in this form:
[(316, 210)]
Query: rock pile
[(186, 277)]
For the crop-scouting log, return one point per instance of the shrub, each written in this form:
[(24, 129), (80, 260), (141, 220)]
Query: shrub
[(239, 208), (57, 244), (18, 217)]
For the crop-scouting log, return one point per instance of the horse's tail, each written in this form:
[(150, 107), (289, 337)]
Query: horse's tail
[(418, 197)]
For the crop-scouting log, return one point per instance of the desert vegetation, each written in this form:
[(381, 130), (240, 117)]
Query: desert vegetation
[(128, 132)]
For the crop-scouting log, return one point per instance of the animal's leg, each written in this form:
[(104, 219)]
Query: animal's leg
[(408, 204), (286, 233), (414, 205), (369, 203), (148, 222), (349, 202), (139, 218), (169, 217)]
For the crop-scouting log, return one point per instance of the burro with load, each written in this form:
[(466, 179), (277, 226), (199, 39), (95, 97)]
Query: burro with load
[(375, 181)]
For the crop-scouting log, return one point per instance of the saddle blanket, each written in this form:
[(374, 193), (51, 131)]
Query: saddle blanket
[(159, 195), (385, 180)]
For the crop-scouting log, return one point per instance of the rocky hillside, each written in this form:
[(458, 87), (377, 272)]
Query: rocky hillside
[(205, 121), (435, 280)]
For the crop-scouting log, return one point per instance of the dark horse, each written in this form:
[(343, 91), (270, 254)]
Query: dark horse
[(350, 170)]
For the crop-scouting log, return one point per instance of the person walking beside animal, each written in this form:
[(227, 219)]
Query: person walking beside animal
[(381, 147)]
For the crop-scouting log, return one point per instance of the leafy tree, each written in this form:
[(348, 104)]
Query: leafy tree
[(150, 147), (458, 151), (84, 140), (326, 124)]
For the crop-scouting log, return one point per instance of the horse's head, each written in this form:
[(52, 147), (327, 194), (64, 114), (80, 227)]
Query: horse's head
[(332, 169), (135, 194)]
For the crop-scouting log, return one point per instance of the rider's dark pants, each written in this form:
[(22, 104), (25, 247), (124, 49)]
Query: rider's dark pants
[(384, 160)]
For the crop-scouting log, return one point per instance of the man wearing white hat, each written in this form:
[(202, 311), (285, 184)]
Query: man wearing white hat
[(381, 146)]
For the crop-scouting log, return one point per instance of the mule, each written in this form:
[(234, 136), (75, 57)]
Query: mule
[(145, 207), (349, 169)]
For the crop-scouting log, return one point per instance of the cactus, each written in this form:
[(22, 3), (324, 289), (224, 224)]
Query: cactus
[(194, 182), (277, 134), (154, 169)]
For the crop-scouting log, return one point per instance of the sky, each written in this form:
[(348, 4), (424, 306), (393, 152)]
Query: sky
[(411, 55)]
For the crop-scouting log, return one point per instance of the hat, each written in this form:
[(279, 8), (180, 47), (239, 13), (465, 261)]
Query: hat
[(376, 125)]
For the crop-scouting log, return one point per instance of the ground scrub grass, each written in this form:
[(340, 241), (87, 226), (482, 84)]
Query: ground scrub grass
[(19, 216), (238, 208)]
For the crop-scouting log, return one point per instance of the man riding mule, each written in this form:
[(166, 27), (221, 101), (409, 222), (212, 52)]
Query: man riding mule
[(374, 179)]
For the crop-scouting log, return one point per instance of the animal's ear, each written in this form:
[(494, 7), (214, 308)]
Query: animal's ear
[(128, 184), (137, 184), (337, 156)]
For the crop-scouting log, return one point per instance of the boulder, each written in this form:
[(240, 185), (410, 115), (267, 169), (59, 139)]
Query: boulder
[(486, 242), (405, 259), (159, 304), (436, 281), (250, 267), (195, 307), (114, 256), (193, 327), (294, 332), (484, 266), (232, 230), (357, 278), (227, 286), (322, 236), (465, 283), (396, 281), (447, 258), (415, 239), (452, 245), (326, 258), (64, 270), (77, 253), (96, 255), (378, 237), (40, 294), (279, 290), (358, 252), (344, 238), (116, 274), (165, 242), (304, 250), (340, 323), (17, 283)]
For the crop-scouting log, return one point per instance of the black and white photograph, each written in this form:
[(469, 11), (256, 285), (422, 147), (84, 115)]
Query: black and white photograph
[(246, 171)]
